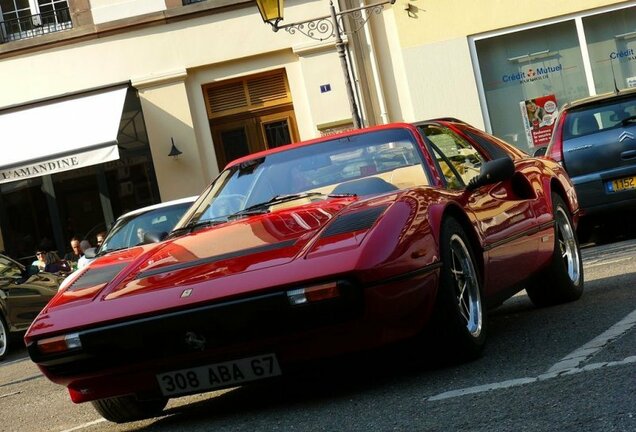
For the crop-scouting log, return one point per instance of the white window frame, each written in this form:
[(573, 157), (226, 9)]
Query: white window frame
[(578, 20)]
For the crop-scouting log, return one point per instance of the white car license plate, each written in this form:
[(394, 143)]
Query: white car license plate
[(227, 374)]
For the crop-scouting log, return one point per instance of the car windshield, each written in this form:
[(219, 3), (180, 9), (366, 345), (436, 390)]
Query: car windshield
[(364, 164), (598, 117), (129, 231)]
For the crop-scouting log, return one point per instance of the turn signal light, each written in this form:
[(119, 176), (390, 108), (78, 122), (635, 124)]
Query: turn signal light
[(313, 294), (59, 344)]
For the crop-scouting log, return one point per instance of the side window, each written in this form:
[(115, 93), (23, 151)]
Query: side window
[(491, 149), (459, 161)]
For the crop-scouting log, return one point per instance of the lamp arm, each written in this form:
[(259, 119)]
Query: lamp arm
[(323, 27)]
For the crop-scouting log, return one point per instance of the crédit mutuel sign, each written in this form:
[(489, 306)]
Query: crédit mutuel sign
[(531, 75)]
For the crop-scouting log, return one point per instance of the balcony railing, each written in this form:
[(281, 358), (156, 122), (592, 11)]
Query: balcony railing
[(35, 25)]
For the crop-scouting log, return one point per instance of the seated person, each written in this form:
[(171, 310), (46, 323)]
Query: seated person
[(39, 263), (53, 263)]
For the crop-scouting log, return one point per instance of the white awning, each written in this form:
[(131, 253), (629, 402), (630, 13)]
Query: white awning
[(60, 135)]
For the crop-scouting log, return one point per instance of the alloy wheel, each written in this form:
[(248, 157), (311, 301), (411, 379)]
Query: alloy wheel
[(567, 245), (466, 286), (3, 338)]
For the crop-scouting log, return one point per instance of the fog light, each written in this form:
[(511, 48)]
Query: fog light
[(313, 294), (59, 344)]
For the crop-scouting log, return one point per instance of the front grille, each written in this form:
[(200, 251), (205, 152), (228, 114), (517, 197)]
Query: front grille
[(219, 325)]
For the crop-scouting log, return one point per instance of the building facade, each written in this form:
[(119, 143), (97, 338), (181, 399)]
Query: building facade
[(95, 93)]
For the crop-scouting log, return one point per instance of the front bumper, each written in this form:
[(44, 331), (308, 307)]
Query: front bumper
[(124, 358)]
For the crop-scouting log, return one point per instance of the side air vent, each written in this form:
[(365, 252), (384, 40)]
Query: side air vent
[(96, 276), (356, 221)]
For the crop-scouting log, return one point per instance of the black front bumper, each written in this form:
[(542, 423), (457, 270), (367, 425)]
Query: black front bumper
[(207, 328)]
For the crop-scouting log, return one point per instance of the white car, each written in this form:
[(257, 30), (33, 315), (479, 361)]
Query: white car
[(145, 225)]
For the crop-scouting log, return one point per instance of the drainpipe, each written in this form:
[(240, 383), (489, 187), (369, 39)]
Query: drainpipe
[(364, 44), (375, 70)]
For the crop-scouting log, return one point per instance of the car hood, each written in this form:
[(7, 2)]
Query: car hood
[(218, 262)]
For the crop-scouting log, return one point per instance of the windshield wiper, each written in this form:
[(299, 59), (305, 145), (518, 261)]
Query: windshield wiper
[(342, 195), (278, 199), (107, 251), (193, 225), (628, 120), (247, 212)]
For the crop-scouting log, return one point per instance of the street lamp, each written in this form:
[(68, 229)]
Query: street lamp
[(323, 28)]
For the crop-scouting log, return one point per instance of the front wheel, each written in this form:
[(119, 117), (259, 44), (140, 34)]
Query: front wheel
[(459, 323), (122, 409), (562, 280)]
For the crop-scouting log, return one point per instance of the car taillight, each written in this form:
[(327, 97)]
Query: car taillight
[(555, 149)]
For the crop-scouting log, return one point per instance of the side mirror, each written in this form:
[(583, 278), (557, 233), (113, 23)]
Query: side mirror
[(492, 172), (541, 151), (90, 253)]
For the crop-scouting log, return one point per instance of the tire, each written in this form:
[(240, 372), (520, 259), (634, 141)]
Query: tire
[(122, 409), (562, 280), (458, 324), (5, 338)]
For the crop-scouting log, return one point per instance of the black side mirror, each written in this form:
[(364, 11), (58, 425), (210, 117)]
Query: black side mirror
[(541, 151), (492, 172)]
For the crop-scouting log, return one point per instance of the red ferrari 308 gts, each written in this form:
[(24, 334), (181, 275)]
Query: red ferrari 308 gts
[(342, 243)]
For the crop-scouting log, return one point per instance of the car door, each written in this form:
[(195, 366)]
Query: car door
[(503, 212), (24, 299)]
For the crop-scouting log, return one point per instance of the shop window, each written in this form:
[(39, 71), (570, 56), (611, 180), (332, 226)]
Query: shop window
[(542, 64), (611, 43), (27, 222)]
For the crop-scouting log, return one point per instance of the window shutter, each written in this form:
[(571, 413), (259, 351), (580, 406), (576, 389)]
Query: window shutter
[(227, 97), (247, 94)]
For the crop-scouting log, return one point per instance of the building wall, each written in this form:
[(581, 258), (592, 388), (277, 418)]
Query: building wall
[(169, 63), (415, 54), (434, 42), (432, 21), (111, 10)]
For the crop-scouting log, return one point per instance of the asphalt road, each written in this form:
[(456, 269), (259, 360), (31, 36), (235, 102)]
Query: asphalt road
[(565, 368)]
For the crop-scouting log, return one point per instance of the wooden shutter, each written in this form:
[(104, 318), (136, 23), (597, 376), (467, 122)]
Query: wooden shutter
[(249, 94)]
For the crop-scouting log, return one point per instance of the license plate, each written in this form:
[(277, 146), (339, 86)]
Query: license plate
[(218, 375), (621, 184)]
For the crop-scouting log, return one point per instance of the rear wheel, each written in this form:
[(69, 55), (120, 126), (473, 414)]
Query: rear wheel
[(4, 338), (459, 322), (562, 281), (122, 409)]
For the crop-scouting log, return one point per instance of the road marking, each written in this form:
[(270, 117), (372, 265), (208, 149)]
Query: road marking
[(15, 361), (584, 353), (21, 380), (568, 365), (602, 262), (522, 381), (10, 394), (85, 425)]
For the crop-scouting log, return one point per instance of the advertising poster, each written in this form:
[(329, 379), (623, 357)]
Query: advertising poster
[(538, 116)]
